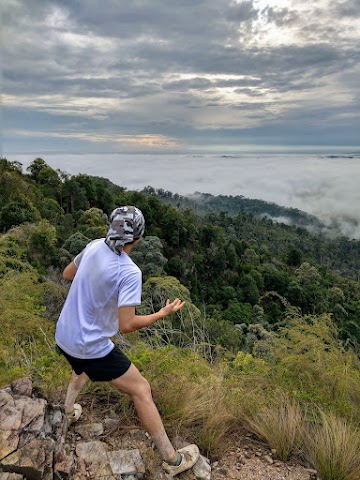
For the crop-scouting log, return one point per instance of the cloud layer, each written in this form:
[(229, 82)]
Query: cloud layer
[(159, 75), (326, 187)]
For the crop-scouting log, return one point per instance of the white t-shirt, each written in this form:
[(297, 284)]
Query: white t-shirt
[(103, 282)]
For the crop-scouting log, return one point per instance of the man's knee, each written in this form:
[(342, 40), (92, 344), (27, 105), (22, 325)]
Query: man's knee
[(142, 390), (133, 384)]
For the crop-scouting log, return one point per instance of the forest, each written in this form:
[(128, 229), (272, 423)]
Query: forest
[(272, 315)]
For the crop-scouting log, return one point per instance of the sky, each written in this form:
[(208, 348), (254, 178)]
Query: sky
[(120, 76)]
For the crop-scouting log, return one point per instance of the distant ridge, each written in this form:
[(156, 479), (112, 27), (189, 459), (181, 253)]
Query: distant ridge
[(206, 202)]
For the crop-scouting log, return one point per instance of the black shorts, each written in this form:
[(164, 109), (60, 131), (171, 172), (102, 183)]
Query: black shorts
[(103, 369)]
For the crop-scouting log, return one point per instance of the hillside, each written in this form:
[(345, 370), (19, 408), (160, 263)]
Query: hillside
[(272, 224), (268, 342), (205, 202)]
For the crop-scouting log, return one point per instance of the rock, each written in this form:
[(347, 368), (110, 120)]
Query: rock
[(10, 416), (93, 460), (111, 423), (31, 431), (32, 460), (89, 429), (55, 423), (202, 469), (21, 418), (92, 451), (9, 441), (33, 411), (113, 415), (10, 423), (64, 465), (127, 462), (22, 387), (81, 472), (268, 459), (99, 469)]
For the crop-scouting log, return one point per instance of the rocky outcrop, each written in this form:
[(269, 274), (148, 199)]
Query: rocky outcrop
[(33, 443), (31, 432)]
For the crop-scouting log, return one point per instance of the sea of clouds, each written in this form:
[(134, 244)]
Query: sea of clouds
[(327, 186)]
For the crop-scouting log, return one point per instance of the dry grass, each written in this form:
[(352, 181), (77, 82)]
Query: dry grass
[(333, 447), (280, 426), (201, 411), (207, 408)]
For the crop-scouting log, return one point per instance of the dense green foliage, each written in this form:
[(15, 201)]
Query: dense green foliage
[(239, 269)]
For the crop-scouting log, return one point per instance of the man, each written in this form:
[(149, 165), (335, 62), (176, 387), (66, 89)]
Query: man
[(106, 288)]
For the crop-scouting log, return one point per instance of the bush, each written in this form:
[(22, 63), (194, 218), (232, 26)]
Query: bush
[(308, 361), (27, 339)]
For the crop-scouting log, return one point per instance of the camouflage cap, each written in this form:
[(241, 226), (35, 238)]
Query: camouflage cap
[(127, 225)]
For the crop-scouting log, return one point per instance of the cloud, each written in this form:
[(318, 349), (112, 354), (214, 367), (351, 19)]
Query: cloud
[(325, 186), (349, 8), (181, 70)]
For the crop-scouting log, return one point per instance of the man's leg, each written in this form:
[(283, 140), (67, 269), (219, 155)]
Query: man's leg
[(75, 385), (138, 388)]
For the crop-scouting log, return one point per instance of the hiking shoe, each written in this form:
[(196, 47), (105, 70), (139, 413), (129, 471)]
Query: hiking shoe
[(189, 456), (75, 415)]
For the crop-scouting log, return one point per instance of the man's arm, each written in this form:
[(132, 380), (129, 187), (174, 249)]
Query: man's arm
[(129, 321), (70, 271)]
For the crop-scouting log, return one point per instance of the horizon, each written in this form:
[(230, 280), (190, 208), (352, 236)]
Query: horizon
[(221, 150)]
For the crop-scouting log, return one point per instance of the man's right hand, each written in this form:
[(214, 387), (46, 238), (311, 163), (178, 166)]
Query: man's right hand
[(130, 322), (172, 307)]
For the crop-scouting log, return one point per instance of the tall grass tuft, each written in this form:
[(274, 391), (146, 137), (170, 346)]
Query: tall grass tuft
[(333, 447), (207, 408), (280, 426)]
